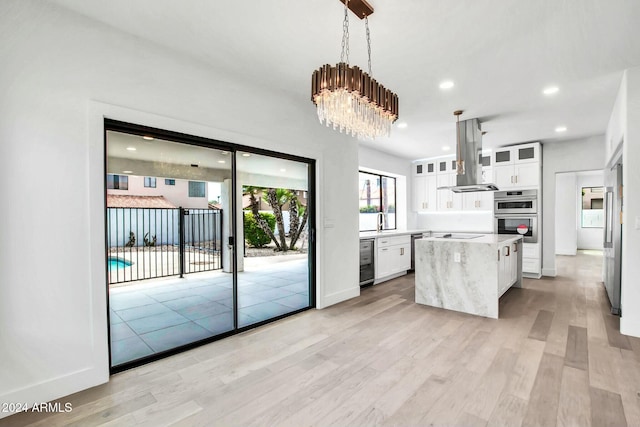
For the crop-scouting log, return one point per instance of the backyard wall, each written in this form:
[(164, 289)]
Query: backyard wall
[(61, 75)]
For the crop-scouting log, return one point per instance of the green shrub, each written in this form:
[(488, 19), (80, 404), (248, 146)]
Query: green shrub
[(368, 209), (253, 234)]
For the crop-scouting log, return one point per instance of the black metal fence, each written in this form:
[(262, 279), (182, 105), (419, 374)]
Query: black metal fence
[(146, 243)]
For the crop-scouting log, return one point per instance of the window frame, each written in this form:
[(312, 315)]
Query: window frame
[(118, 181), (204, 189), (380, 176), (150, 180)]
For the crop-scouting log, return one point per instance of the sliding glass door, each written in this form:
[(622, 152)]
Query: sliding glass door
[(274, 277), (203, 239)]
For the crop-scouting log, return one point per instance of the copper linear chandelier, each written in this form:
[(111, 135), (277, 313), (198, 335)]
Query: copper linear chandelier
[(348, 98)]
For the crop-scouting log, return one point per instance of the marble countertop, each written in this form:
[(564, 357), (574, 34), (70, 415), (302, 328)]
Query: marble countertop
[(484, 238), (389, 233)]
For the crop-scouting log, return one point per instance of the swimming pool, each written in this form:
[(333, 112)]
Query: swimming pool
[(115, 263)]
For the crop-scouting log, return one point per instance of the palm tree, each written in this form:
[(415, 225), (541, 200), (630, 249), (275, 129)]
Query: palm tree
[(276, 198)]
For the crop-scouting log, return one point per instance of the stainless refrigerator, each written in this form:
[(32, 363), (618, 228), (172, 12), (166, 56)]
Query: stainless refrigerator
[(613, 235)]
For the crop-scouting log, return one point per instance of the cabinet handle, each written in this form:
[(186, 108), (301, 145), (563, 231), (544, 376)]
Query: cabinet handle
[(516, 179), (515, 247), (498, 254), (384, 249), (508, 250), (401, 251)]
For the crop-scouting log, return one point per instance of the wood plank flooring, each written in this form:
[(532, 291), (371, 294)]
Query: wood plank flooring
[(555, 357)]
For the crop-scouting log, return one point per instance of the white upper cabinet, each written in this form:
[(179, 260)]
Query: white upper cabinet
[(517, 166), (424, 193), (447, 199), (477, 201)]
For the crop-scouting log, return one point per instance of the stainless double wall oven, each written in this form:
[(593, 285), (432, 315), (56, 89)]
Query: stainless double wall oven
[(516, 212)]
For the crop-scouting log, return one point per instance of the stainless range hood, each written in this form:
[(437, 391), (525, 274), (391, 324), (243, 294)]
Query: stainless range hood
[(469, 150)]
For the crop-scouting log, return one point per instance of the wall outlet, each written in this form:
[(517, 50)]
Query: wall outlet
[(456, 257)]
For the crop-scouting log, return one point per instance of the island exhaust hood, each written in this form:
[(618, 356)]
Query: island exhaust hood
[(468, 151)]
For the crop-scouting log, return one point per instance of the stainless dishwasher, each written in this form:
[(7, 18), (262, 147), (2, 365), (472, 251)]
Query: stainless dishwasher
[(367, 266)]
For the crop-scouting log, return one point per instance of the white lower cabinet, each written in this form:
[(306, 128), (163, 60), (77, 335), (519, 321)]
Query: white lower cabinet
[(393, 255), (507, 267), (531, 260)]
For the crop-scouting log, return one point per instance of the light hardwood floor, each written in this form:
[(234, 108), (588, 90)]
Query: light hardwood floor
[(553, 358)]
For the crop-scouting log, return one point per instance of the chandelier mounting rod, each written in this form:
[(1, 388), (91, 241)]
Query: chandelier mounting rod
[(360, 8)]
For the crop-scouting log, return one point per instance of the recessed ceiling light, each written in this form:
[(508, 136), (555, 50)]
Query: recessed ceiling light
[(283, 170), (447, 84), (131, 148), (148, 138), (224, 153), (551, 90), (446, 148), (561, 129), (222, 161), (402, 125), (246, 154), (127, 171)]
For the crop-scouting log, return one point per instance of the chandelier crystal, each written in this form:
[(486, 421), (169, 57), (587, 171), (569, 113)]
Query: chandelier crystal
[(349, 99)]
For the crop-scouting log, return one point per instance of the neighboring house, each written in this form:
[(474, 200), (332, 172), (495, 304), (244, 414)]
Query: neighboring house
[(122, 201), (177, 192)]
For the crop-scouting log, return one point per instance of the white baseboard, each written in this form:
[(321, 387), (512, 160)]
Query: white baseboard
[(56, 388), (629, 327), (549, 272), (391, 276), (338, 297)]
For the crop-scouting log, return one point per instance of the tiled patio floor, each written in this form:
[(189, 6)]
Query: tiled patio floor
[(156, 315)]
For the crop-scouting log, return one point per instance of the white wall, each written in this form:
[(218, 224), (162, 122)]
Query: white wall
[(380, 162), (565, 214), (61, 74), (588, 238), (624, 124), (564, 156)]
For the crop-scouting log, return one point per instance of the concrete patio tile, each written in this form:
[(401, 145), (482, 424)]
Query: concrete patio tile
[(180, 303), (175, 336), (143, 311), (272, 294), (128, 300), (156, 322), (120, 331), (217, 324), (207, 309), (129, 349), (248, 300), (295, 301)]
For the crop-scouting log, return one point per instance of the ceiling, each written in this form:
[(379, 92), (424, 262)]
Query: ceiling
[(500, 54), (168, 153)]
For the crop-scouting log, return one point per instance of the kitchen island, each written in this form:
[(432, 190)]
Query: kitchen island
[(466, 272)]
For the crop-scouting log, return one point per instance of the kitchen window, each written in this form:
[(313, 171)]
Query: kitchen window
[(377, 198)]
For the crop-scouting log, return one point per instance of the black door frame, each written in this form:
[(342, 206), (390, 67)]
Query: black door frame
[(142, 130)]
